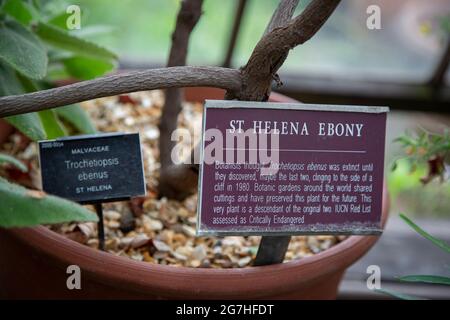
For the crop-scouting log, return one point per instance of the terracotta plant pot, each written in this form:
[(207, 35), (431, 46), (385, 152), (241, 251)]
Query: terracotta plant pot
[(33, 264)]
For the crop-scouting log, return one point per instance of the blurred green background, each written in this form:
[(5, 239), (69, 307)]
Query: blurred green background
[(406, 47)]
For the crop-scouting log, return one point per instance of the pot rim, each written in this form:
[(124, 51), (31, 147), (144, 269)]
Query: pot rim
[(176, 280)]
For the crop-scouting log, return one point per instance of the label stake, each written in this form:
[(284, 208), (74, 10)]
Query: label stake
[(100, 227), (271, 250)]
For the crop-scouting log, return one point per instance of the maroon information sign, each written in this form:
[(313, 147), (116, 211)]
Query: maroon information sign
[(286, 169)]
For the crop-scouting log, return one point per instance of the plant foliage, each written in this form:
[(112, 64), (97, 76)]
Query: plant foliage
[(37, 50)]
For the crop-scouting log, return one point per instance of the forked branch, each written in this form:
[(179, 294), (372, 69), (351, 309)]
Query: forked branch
[(280, 36), (188, 16), (272, 49)]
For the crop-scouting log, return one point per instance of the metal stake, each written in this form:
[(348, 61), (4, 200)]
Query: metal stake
[(100, 227), (272, 250)]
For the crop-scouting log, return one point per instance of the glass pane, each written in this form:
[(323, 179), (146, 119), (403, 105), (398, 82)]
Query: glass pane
[(407, 45), (142, 29)]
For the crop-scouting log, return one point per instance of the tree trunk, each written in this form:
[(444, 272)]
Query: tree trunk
[(188, 16), (281, 35)]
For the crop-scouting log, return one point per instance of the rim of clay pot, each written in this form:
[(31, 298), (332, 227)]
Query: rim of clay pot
[(184, 281), (177, 281)]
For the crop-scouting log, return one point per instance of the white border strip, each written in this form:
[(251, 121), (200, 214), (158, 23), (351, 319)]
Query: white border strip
[(225, 104)]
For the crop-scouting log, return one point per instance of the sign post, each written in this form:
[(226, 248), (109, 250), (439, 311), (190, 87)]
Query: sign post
[(93, 169), (100, 226), (283, 169)]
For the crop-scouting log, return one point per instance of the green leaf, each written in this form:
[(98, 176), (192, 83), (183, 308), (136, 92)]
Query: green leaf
[(5, 158), (52, 126), (62, 39), (56, 72), (9, 82), (29, 124), (22, 50), (29, 85), (426, 279), (93, 31), (36, 126), (83, 68), (398, 295), (59, 20), (47, 119), (394, 165), (76, 116), (19, 10), (22, 208), (441, 244)]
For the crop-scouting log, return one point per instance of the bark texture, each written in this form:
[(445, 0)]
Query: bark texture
[(271, 51), (281, 35), (173, 77), (188, 16)]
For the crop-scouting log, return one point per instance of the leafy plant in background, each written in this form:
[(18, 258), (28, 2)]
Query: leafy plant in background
[(431, 149), (427, 148), (424, 161), (430, 279), (36, 51)]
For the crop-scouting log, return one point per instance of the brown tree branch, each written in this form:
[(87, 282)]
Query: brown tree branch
[(260, 70), (269, 54), (173, 77), (280, 18), (238, 15), (437, 79), (273, 249), (267, 57), (180, 181), (282, 15), (188, 16)]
